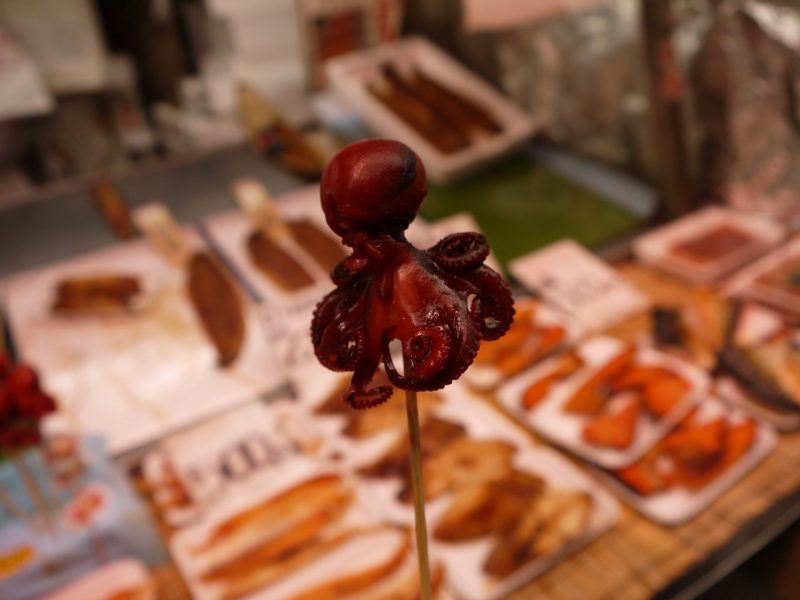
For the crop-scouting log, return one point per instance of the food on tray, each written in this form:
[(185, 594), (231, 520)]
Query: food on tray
[(591, 397), (435, 435), (664, 393), (565, 366), (437, 304), (785, 278), (273, 528), (462, 462), (490, 507), (100, 293), (402, 584), (692, 456), (767, 374), (714, 245), (554, 519), (218, 307), (526, 343), (253, 572), (276, 263), (418, 115), (388, 416), (324, 249), (452, 109), (615, 430), (366, 559)]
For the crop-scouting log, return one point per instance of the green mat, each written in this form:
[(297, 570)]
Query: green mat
[(522, 207)]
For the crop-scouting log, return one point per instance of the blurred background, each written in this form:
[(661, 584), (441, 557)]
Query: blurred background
[(656, 133), (107, 86)]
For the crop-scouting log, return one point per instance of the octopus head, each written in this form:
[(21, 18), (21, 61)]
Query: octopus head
[(373, 186)]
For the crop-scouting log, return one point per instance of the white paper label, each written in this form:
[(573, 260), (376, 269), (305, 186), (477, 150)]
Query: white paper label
[(570, 277)]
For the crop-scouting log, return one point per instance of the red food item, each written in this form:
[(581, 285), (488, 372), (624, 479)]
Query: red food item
[(616, 430), (5, 364), (438, 303), (663, 394), (22, 378), (22, 405)]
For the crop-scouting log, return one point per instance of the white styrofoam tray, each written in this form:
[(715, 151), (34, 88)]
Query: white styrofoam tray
[(464, 560), (655, 248), (350, 74), (678, 505), (549, 419), (133, 377), (746, 282), (488, 377)]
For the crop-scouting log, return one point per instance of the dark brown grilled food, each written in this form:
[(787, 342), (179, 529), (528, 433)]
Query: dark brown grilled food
[(277, 264), (96, 293), (218, 307), (324, 249), (419, 116), (455, 110)]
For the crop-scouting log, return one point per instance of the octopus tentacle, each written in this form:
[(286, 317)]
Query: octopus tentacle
[(428, 351), (356, 395), (460, 251), (492, 309)]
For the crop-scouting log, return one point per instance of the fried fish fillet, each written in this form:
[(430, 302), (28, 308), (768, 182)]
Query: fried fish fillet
[(592, 395), (277, 523), (436, 434), (488, 508), (555, 519)]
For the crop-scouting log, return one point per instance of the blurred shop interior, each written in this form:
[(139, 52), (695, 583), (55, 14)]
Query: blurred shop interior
[(635, 167)]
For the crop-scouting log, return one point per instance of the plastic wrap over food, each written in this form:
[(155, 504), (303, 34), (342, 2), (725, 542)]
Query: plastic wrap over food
[(583, 74), (746, 77)]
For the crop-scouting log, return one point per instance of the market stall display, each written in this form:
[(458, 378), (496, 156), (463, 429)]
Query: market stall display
[(615, 364), (412, 91), (94, 361)]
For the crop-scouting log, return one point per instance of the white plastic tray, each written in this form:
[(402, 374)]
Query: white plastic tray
[(655, 248), (549, 419), (678, 505), (464, 560), (135, 377), (350, 74)]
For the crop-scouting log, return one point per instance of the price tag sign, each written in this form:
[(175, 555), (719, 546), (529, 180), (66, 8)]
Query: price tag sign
[(571, 278)]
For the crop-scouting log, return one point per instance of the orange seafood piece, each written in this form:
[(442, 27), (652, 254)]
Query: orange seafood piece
[(522, 328), (538, 390), (644, 477), (591, 397), (614, 431), (694, 446), (638, 376), (538, 345), (737, 441), (663, 394)]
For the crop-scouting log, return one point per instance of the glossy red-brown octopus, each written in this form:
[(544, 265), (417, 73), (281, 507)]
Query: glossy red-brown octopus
[(438, 303)]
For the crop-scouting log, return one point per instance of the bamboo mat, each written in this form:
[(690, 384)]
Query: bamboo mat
[(638, 558)]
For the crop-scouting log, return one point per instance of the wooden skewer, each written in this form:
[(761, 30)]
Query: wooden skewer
[(418, 485)]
